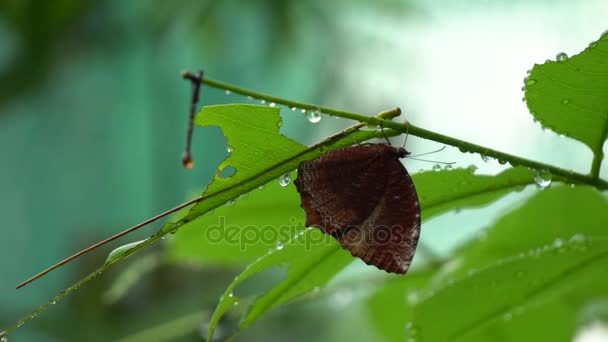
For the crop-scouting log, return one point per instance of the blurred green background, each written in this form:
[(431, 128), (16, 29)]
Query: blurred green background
[(93, 116)]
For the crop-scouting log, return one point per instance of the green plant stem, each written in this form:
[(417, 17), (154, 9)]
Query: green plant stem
[(558, 173), (598, 155)]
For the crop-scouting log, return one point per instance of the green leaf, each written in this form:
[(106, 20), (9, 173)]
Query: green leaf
[(313, 258), (390, 309), (241, 232), (547, 253), (309, 267), (442, 191), (552, 216), (119, 252), (569, 96)]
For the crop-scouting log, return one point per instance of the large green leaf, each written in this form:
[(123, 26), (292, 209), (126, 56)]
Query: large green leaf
[(569, 95), (313, 264), (241, 232), (546, 254)]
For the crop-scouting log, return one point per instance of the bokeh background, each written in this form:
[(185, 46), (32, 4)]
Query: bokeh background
[(93, 116)]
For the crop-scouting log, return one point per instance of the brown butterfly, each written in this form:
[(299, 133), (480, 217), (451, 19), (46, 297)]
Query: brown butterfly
[(364, 197)]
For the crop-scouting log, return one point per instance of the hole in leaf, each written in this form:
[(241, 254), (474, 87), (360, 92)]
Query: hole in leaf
[(228, 171)]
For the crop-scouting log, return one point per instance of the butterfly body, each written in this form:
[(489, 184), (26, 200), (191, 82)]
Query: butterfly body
[(364, 197)]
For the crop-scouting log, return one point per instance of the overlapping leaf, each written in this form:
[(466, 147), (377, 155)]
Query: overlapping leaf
[(312, 264), (537, 267)]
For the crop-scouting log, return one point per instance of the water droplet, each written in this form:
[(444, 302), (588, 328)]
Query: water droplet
[(263, 101), (542, 178), (231, 295), (294, 109), (54, 302), (272, 104), (243, 195), (230, 202), (229, 149), (284, 180), (565, 101), (261, 187), (502, 161), (342, 298), (523, 99), (413, 297), (303, 111), (561, 57), (529, 71), (235, 303), (280, 245), (463, 149), (227, 92), (436, 167), (593, 44), (3, 338), (250, 98), (486, 159), (472, 169), (579, 242), (313, 116), (411, 331), (530, 82), (447, 167), (558, 244)]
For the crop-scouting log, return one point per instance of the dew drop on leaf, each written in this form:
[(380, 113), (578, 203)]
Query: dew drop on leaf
[(561, 57), (284, 180), (313, 116), (263, 102), (272, 104), (230, 202), (542, 179), (280, 245), (486, 159), (411, 331), (579, 242), (227, 92), (229, 149), (436, 167), (3, 338)]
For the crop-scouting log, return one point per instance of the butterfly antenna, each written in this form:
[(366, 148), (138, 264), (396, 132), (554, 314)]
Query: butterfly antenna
[(407, 133), (424, 154), (111, 238), (196, 80), (431, 161), (388, 142)]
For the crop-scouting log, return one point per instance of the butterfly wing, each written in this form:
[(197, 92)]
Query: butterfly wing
[(388, 237), (333, 189), (364, 197)]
